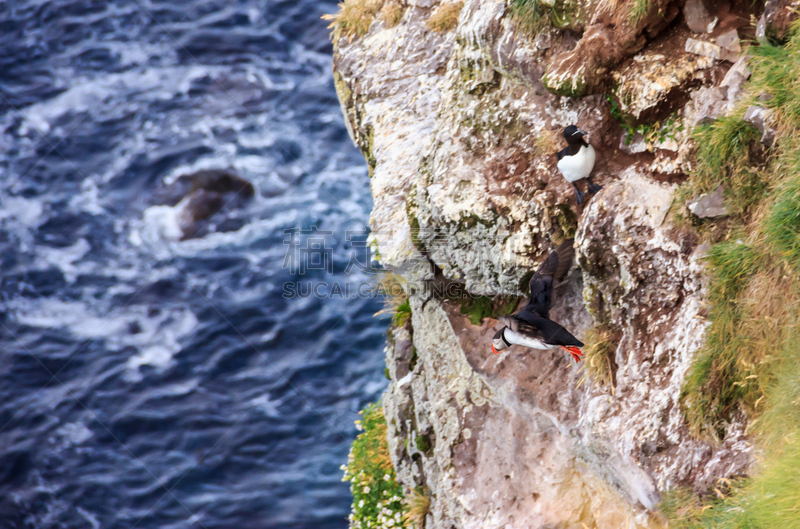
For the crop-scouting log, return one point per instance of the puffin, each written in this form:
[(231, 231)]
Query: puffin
[(577, 160), (531, 326)]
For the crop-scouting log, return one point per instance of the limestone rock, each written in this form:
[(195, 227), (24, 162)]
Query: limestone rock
[(708, 49), (709, 205), (648, 82), (778, 17), (702, 16), (760, 118), (730, 41), (710, 103), (734, 80)]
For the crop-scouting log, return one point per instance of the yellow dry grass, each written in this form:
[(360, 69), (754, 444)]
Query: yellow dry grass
[(445, 17)]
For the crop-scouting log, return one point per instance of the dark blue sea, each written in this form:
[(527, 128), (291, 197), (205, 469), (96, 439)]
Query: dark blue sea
[(148, 382)]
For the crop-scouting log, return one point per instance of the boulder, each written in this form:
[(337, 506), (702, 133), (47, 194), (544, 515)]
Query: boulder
[(778, 17), (710, 103), (709, 205), (702, 16), (709, 49), (647, 85), (760, 118)]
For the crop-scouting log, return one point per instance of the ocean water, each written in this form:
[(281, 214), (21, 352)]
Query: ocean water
[(150, 382)]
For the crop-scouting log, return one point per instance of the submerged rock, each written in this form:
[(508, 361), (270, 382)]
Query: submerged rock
[(206, 201)]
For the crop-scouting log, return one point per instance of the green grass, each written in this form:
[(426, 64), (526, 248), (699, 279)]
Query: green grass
[(771, 498), (377, 496), (750, 362), (724, 156), (782, 224)]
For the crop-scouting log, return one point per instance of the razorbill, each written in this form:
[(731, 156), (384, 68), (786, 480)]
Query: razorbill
[(531, 327), (577, 160)]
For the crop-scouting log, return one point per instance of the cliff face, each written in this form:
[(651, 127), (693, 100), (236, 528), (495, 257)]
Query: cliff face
[(460, 129)]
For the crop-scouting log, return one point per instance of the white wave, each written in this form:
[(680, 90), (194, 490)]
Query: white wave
[(155, 335)]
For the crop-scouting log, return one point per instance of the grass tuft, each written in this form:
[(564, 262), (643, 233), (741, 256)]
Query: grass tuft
[(395, 300), (353, 18), (639, 9), (445, 17), (598, 357), (547, 143), (530, 15), (417, 505), (724, 155), (392, 13), (720, 377)]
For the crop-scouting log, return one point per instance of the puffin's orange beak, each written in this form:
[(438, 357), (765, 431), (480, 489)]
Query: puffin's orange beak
[(574, 351), (495, 351)]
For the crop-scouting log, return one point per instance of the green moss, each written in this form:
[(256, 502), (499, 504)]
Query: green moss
[(367, 145), (535, 16), (412, 362), (423, 443), (574, 87), (342, 90), (476, 308), (413, 224), (387, 374), (567, 220)]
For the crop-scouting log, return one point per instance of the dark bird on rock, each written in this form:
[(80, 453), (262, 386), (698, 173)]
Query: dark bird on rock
[(531, 326), (577, 160)]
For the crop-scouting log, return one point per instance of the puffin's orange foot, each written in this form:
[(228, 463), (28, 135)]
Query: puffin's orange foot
[(574, 351)]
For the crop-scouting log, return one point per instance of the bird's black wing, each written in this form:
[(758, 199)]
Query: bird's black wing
[(531, 324), (554, 268), (563, 152)]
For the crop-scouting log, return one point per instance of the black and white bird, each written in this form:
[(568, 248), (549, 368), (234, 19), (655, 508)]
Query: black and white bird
[(577, 160), (531, 326)]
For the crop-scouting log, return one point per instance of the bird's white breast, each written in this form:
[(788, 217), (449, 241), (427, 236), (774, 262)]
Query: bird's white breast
[(520, 339), (578, 165)]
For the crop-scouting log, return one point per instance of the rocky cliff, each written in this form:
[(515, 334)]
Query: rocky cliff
[(459, 125)]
